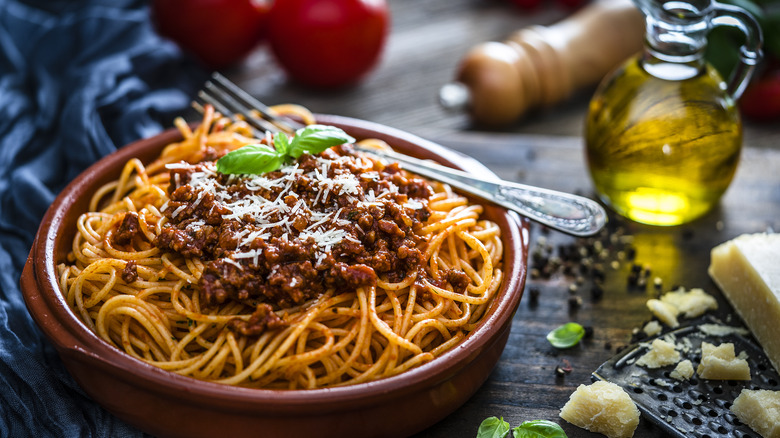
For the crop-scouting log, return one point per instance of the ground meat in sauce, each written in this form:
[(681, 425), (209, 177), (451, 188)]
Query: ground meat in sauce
[(458, 279), (127, 229), (376, 212), (262, 318), (130, 272)]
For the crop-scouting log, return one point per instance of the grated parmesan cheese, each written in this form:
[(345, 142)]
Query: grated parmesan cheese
[(263, 213)]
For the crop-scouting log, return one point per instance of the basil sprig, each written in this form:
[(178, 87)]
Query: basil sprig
[(539, 429), (261, 158), (493, 427), (567, 335)]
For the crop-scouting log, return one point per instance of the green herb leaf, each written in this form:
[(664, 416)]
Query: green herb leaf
[(566, 336), (538, 429), (316, 138), (260, 158), (493, 427), (282, 143), (250, 159)]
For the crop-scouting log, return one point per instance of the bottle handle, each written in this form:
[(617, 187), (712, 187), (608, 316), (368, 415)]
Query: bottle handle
[(750, 52)]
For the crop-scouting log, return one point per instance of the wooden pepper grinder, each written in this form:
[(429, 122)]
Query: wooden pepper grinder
[(498, 82)]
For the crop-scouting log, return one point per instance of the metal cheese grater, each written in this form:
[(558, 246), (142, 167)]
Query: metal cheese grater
[(695, 407)]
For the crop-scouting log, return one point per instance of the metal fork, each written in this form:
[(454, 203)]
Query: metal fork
[(571, 214), (230, 100)]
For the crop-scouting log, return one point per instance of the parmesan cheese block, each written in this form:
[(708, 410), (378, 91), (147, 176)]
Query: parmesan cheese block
[(602, 407), (720, 363), (747, 270), (661, 354), (759, 409), (683, 370)]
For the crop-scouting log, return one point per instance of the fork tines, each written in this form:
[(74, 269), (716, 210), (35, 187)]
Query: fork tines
[(230, 100)]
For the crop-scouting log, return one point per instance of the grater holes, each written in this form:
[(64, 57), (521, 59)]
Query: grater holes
[(697, 395), (718, 428), (702, 406), (685, 404)]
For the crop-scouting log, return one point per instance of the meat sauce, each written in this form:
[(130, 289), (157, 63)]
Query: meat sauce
[(330, 221)]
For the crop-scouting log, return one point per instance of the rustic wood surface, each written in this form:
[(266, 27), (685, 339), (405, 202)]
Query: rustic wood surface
[(428, 38)]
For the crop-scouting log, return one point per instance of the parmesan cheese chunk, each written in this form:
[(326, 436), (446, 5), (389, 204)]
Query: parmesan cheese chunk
[(661, 354), (720, 363), (663, 311), (683, 370), (602, 407), (689, 304), (652, 328), (747, 270), (759, 409)]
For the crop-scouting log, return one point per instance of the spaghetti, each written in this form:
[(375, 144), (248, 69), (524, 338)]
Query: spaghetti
[(335, 269)]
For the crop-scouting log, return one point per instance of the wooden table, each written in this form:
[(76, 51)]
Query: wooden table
[(427, 40)]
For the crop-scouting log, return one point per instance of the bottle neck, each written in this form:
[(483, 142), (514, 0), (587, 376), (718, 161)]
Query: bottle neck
[(671, 68), (674, 49)]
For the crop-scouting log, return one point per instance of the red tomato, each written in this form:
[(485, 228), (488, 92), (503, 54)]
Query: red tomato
[(219, 32), (328, 43), (761, 100)]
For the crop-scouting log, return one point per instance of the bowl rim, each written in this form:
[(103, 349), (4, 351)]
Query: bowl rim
[(74, 339)]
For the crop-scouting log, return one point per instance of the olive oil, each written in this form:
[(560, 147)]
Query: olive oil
[(663, 135), (662, 148)]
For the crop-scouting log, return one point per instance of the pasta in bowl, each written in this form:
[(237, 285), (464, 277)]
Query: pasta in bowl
[(289, 299)]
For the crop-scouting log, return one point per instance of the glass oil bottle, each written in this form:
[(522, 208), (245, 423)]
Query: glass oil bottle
[(663, 133)]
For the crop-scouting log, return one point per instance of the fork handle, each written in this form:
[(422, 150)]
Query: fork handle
[(571, 214)]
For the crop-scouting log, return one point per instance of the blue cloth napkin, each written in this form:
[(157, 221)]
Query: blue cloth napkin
[(77, 80)]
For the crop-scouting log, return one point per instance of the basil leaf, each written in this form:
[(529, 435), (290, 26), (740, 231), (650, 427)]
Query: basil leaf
[(317, 138), (282, 143), (250, 159), (567, 335), (538, 429), (493, 427)]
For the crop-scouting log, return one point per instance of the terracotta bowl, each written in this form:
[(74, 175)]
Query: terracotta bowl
[(166, 404)]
